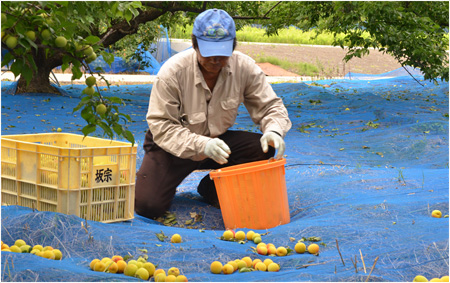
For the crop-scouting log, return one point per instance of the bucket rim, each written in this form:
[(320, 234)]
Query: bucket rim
[(248, 167)]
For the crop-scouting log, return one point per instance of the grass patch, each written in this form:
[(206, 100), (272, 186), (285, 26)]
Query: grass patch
[(289, 35), (300, 68)]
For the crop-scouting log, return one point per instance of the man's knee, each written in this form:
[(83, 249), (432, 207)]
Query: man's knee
[(150, 210)]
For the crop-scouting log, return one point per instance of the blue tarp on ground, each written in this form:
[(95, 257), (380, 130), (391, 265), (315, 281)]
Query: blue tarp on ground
[(367, 162)]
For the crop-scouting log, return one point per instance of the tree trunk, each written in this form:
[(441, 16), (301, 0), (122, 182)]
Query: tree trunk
[(40, 82)]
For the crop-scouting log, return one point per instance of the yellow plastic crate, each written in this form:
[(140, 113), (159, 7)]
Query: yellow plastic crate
[(92, 178)]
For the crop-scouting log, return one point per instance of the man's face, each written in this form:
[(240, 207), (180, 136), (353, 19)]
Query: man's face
[(212, 64)]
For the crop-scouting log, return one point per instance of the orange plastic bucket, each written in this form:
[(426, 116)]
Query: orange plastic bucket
[(253, 195)]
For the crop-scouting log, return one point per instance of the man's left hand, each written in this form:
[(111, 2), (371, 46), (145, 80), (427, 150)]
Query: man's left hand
[(274, 140)]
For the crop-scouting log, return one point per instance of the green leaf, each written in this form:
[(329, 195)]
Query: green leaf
[(118, 129), (27, 73), (161, 236), (115, 99), (128, 15), (246, 269), (108, 57), (106, 129), (16, 67), (128, 118), (311, 239), (129, 136), (88, 115), (91, 40), (76, 73), (88, 129), (66, 61), (30, 61), (31, 43), (62, 3), (8, 57)]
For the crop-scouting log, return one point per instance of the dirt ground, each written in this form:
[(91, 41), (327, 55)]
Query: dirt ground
[(330, 58)]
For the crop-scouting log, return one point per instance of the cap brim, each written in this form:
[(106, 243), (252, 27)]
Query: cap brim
[(215, 48)]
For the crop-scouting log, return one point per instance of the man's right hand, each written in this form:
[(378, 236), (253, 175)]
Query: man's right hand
[(217, 150)]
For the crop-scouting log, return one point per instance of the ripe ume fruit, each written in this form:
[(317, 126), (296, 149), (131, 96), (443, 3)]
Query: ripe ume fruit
[(121, 265), (248, 261), (171, 278), (58, 254), (181, 278), (256, 239), (130, 270), (262, 250), (273, 267), (93, 262), (436, 214), (176, 238), (228, 235), (271, 250), (267, 261), (281, 251), (240, 235), (216, 267), (99, 266), (260, 266), (313, 249), (228, 269), (250, 235), (150, 268), (160, 277), (173, 271), (142, 273), (300, 248), (19, 243), (420, 278)]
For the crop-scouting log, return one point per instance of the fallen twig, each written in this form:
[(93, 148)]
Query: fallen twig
[(434, 243), (337, 245), (373, 266), (307, 265), (354, 264), (362, 259)]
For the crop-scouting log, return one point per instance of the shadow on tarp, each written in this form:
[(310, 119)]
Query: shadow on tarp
[(367, 162)]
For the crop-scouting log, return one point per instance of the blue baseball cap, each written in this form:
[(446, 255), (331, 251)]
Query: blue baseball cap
[(215, 32)]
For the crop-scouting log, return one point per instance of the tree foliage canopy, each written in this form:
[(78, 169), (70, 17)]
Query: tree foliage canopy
[(43, 35)]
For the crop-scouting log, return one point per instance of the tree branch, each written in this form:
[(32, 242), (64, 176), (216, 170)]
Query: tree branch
[(411, 75), (175, 6), (279, 2)]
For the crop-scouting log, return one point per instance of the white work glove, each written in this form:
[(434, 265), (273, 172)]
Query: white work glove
[(274, 140), (217, 150)]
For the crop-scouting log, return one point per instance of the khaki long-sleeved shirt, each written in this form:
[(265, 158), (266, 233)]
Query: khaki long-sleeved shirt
[(183, 114)]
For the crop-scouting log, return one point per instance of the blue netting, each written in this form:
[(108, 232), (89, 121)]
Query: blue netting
[(367, 162)]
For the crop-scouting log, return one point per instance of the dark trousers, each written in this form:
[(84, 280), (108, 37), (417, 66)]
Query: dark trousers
[(161, 172)]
